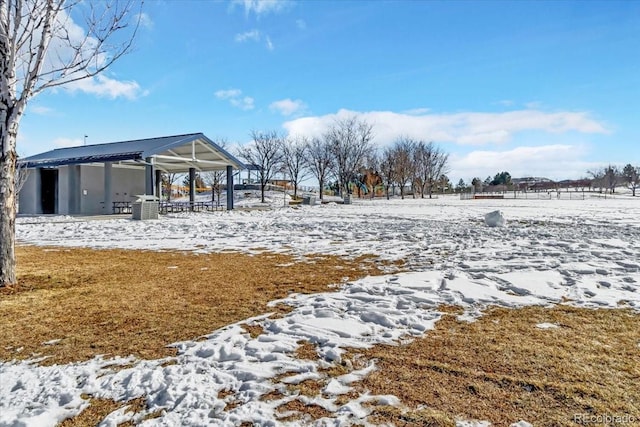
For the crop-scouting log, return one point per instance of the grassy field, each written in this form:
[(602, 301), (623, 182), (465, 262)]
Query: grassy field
[(501, 368), (117, 302)]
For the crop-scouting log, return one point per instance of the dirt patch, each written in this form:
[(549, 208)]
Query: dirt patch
[(73, 304)]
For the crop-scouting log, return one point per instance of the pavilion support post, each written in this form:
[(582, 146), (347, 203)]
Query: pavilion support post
[(148, 182), (158, 183), (192, 186), (229, 188), (38, 192), (108, 194), (75, 192)]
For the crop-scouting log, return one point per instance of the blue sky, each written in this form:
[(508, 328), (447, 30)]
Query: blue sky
[(543, 88)]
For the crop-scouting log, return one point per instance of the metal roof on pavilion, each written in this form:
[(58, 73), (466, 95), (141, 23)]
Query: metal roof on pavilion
[(169, 153)]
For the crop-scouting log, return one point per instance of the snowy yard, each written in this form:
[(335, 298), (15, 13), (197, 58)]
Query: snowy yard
[(585, 253)]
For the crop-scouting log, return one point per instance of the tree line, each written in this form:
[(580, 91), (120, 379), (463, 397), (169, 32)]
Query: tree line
[(346, 159), (604, 179), (610, 177)]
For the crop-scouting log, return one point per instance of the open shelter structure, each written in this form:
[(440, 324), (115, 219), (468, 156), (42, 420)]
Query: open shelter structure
[(97, 179)]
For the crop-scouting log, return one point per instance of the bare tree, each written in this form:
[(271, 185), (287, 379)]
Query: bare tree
[(168, 179), (424, 164), (631, 176), (265, 152), (319, 160), (431, 166), (597, 178), (41, 48), (612, 177), (216, 179), (21, 175), (350, 141), (439, 168), (606, 178), (404, 159), (388, 169), (293, 153)]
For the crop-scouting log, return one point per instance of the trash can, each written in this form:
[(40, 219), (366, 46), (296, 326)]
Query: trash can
[(309, 200), (145, 207), (347, 199)]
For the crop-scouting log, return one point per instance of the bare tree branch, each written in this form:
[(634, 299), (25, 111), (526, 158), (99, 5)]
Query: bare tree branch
[(216, 179), (265, 153), (350, 141), (41, 46), (404, 162), (295, 161), (319, 160), (21, 175)]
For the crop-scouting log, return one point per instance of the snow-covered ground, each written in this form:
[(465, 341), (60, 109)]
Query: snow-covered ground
[(583, 251)]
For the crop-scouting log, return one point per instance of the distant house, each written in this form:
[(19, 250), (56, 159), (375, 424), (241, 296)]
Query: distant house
[(532, 183), (96, 179)]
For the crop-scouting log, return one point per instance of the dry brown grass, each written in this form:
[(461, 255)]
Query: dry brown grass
[(308, 387), (119, 302), (100, 408), (254, 330), (302, 411), (306, 351), (502, 368)]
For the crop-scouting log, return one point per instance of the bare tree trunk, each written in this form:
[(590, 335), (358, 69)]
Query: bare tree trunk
[(27, 29), (7, 211)]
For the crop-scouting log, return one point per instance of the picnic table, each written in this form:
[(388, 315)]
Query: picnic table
[(196, 206), (121, 207)]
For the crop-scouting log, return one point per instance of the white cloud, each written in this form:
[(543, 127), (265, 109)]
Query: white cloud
[(253, 35), (229, 93), (67, 142), (40, 110), (244, 103), (104, 86), (469, 128), (144, 20), (235, 98), (288, 107), (556, 162), (416, 111), (263, 7)]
